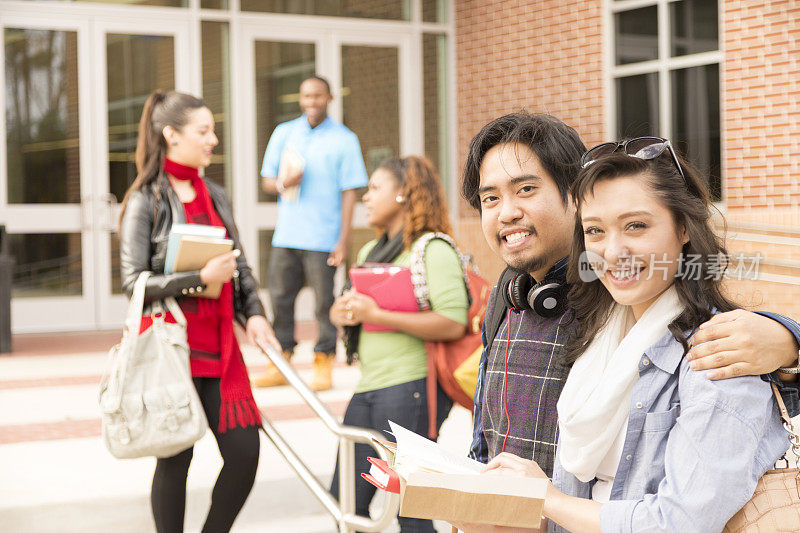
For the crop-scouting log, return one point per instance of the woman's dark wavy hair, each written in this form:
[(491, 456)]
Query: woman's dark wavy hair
[(160, 110), (426, 208), (689, 204), (425, 211)]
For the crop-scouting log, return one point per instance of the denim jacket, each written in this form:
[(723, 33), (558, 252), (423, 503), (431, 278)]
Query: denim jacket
[(479, 450), (694, 448)]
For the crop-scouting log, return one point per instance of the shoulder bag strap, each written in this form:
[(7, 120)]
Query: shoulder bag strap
[(133, 321), (176, 311), (130, 336), (787, 420), (794, 437)]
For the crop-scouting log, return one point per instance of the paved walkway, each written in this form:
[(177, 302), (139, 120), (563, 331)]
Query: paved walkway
[(56, 476)]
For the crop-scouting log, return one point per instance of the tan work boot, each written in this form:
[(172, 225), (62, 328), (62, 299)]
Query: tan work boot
[(272, 376), (323, 366)]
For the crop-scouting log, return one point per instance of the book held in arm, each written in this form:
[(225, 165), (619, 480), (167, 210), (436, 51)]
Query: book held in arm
[(437, 484), (291, 162), (389, 285), (190, 246)]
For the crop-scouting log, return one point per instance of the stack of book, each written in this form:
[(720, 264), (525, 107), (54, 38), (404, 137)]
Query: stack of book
[(190, 246)]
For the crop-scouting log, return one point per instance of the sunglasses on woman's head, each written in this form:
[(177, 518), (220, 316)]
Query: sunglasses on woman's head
[(646, 148)]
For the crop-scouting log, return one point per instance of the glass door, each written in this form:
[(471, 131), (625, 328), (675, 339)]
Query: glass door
[(135, 58), (73, 88), (276, 65), (372, 80), (46, 171)]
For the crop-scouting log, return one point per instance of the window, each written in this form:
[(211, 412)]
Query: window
[(280, 68), (370, 9), (137, 65), (216, 93), (43, 162), (435, 102), (666, 78), (160, 3)]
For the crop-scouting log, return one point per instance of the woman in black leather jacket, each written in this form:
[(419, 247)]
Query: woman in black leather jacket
[(176, 138)]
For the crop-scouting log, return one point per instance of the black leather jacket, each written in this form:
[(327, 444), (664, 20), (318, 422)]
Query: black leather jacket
[(143, 246)]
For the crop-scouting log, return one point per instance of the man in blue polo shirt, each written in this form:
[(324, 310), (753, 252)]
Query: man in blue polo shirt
[(314, 163)]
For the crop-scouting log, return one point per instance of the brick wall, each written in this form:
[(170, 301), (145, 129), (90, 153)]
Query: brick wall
[(371, 107), (761, 143), (544, 56), (761, 95)]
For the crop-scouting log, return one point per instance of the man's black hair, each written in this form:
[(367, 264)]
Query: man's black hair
[(558, 147), (319, 78)]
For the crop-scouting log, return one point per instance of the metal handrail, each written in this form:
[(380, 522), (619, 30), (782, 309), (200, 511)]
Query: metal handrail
[(343, 511)]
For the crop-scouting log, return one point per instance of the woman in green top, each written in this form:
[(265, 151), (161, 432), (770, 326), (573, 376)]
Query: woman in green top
[(404, 202)]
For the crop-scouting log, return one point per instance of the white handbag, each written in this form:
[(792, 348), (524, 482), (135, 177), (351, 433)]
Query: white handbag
[(148, 401)]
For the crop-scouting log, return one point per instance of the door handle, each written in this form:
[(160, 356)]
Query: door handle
[(109, 211), (87, 215)]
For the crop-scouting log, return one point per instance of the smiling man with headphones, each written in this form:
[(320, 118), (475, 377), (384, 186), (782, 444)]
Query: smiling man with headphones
[(517, 175)]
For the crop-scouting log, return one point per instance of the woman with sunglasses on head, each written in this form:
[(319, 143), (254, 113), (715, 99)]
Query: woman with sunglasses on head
[(176, 139), (646, 444), (404, 202)]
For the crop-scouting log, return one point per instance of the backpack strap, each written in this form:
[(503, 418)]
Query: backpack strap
[(419, 276), (419, 280)]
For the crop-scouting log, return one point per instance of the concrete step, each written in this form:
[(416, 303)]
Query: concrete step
[(56, 475), (279, 505)]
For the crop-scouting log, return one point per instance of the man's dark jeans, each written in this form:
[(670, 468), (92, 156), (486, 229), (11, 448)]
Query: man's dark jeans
[(405, 404), (289, 269)]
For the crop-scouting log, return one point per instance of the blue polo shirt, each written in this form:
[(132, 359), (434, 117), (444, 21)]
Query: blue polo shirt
[(333, 164)]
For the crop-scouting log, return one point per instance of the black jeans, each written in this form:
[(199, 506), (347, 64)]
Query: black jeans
[(289, 269), (239, 448), (405, 404)]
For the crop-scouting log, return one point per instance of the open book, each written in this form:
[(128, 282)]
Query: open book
[(441, 485), (415, 453)]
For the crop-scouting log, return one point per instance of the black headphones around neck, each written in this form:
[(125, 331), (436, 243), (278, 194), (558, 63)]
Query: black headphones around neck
[(547, 298)]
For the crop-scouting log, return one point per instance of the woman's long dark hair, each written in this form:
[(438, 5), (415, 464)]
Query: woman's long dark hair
[(688, 202), (160, 110)]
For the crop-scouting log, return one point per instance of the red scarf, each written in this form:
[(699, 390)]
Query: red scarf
[(238, 406)]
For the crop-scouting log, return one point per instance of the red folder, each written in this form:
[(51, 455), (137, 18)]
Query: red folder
[(393, 483), (389, 285)]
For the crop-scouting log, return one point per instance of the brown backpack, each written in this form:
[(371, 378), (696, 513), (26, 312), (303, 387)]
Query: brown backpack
[(451, 363)]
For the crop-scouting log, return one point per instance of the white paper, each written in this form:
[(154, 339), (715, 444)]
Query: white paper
[(415, 452), (524, 487)]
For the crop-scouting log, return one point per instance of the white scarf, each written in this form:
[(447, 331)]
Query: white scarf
[(595, 402)]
